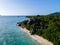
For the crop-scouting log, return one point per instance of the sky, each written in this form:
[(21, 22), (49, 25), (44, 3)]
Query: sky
[(28, 7)]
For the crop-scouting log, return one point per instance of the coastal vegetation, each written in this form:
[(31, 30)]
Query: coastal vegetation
[(47, 26)]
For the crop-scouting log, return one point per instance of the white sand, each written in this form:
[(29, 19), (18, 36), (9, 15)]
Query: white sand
[(39, 39)]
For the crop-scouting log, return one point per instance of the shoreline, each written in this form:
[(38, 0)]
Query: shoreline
[(39, 39)]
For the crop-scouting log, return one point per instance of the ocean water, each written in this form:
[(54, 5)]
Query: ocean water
[(11, 34)]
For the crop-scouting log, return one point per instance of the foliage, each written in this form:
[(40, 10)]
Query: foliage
[(52, 33)]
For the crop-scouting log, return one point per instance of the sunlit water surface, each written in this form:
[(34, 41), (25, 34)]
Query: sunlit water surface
[(11, 34)]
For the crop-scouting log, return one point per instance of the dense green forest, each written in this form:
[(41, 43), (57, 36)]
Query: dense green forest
[(47, 26)]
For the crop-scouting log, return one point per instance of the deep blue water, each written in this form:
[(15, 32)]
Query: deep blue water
[(10, 34)]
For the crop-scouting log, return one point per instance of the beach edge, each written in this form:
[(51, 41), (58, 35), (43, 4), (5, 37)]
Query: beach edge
[(39, 39)]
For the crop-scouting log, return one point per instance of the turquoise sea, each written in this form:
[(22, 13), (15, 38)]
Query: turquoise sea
[(11, 34)]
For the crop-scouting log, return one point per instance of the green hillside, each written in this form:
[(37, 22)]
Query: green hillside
[(47, 26)]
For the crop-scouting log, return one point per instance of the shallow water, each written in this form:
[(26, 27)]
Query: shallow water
[(10, 34)]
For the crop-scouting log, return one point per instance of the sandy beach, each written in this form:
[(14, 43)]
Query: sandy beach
[(39, 39)]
